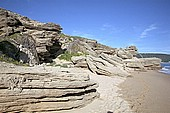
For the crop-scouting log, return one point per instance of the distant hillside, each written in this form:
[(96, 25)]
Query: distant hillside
[(164, 57)]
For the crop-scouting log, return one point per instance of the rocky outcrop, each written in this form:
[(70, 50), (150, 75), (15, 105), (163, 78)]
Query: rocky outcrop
[(122, 53), (102, 65), (15, 28), (151, 63), (132, 49), (82, 45), (43, 89), (133, 65), (142, 64), (120, 64), (34, 43)]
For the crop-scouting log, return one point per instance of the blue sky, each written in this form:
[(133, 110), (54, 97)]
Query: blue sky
[(117, 23)]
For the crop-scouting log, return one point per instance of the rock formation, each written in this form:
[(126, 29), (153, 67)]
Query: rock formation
[(32, 42), (34, 89), (43, 88), (121, 62), (35, 42)]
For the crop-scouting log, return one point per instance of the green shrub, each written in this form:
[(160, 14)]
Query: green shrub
[(7, 59), (67, 55), (14, 36)]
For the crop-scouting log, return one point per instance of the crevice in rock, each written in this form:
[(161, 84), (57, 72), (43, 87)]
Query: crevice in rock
[(79, 94), (9, 50), (52, 52)]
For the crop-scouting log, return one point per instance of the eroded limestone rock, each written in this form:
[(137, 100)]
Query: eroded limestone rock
[(43, 89), (14, 27)]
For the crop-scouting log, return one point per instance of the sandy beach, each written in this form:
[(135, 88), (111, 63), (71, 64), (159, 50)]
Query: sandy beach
[(110, 101), (147, 92)]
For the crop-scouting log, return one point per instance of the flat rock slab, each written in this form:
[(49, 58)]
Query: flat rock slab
[(43, 89)]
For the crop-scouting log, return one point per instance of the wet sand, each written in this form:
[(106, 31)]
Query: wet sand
[(147, 92)]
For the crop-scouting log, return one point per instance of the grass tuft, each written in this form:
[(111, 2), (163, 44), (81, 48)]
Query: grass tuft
[(67, 55)]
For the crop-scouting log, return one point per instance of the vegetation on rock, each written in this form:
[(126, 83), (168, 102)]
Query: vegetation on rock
[(67, 55), (7, 59)]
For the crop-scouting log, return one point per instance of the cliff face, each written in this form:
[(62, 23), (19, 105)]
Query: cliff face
[(38, 88), (32, 42), (35, 42)]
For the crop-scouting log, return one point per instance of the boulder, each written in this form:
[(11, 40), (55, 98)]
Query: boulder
[(79, 61), (132, 49), (122, 53)]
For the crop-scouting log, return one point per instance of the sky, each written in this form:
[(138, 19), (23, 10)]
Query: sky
[(116, 23)]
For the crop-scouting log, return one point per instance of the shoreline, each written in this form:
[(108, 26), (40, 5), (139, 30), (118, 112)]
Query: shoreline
[(147, 92)]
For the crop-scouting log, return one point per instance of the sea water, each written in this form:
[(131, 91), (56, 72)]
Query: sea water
[(165, 68)]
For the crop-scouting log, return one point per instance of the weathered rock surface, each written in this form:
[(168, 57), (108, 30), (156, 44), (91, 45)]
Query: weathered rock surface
[(82, 45), (103, 67), (40, 89), (14, 28), (132, 49), (122, 53), (79, 61), (133, 65), (151, 63), (143, 63)]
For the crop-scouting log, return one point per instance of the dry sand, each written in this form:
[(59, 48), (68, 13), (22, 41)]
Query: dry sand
[(109, 100), (147, 92)]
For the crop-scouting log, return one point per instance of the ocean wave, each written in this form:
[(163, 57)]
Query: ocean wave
[(165, 68)]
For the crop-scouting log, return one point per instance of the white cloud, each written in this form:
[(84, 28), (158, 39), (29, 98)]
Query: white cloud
[(110, 28), (82, 34), (105, 26), (147, 30)]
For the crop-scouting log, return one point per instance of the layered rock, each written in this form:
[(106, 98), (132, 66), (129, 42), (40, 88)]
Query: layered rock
[(26, 89), (79, 61), (143, 64), (102, 65), (151, 63), (122, 53), (36, 43), (42, 37), (122, 63), (132, 49), (133, 65), (82, 45)]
